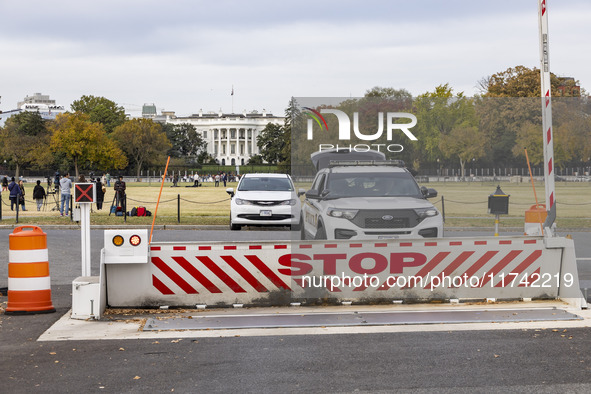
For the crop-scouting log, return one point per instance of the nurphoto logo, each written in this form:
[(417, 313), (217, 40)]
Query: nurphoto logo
[(392, 124)]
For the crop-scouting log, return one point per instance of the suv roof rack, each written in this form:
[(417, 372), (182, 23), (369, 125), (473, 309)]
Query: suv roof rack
[(351, 163)]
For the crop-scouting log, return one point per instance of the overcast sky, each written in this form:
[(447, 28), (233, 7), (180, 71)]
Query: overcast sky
[(186, 55)]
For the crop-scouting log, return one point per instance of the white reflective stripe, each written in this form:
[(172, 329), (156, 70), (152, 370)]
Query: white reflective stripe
[(27, 284), (28, 256)]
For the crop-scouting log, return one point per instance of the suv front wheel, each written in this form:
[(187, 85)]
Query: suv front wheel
[(320, 233)]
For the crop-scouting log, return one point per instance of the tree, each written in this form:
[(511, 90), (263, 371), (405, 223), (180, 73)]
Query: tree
[(521, 81), (101, 110), (388, 93), (186, 141), (84, 143), (293, 121), (271, 143), (143, 141), (465, 143), (23, 140), (529, 136), (501, 119), (255, 159), (438, 113)]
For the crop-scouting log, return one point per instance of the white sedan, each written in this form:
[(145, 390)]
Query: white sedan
[(264, 200)]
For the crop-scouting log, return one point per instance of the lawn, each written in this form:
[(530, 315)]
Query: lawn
[(465, 204)]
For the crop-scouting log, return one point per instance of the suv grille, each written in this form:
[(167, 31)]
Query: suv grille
[(386, 218)]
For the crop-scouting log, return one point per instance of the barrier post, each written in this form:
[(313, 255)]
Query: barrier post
[(178, 209), (0, 206)]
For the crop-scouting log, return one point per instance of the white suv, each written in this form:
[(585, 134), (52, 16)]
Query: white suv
[(368, 200), (264, 200)]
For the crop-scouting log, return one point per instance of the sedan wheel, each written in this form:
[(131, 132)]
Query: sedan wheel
[(234, 227)]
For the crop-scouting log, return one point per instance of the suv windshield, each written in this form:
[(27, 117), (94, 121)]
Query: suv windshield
[(265, 184), (372, 185)]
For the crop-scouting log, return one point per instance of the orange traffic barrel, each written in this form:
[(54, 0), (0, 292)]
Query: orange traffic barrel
[(29, 287), (534, 217)]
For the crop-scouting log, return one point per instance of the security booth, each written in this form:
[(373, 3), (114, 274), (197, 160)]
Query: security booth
[(498, 204)]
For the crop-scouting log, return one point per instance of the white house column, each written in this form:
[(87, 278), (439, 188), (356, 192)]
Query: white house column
[(237, 145), (246, 150), (219, 142), (227, 144)]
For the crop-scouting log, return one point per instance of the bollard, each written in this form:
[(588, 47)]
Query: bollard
[(29, 284)]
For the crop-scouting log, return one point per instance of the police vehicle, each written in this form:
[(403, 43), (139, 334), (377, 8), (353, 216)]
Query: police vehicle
[(368, 199)]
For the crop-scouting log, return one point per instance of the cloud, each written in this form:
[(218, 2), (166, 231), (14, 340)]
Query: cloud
[(185, 55)]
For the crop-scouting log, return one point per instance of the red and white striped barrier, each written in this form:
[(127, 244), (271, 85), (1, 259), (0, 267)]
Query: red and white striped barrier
[(276, 273)]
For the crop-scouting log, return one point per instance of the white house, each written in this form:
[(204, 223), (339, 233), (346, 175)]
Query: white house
[(231, 138)]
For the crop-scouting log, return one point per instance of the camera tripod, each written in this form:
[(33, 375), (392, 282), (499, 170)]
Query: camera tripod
[(119, 201), (55, 200)]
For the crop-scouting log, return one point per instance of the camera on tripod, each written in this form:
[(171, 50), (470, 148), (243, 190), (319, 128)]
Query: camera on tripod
[(49, 183), (56, 182)]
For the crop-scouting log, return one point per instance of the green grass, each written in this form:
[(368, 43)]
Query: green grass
[(465, 205)]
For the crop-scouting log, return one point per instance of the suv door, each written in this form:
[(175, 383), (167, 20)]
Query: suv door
[(311, 207)]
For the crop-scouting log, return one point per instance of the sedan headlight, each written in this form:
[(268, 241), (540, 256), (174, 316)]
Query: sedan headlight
[(342, 213), (424, 213), (240, 201), (291, 202)]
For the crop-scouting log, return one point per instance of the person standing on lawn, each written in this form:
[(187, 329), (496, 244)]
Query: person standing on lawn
[(65, 186), (39, 195)]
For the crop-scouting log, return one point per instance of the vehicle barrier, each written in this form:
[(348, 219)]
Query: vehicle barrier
[(29, 284), (279, 273)]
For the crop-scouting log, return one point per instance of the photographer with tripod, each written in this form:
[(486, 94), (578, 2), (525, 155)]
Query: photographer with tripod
[(120, 191)]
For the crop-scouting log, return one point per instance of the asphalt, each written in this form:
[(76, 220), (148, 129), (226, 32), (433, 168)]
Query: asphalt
[(443, 360)]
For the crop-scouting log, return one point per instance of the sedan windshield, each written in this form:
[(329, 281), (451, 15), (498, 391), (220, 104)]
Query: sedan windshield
[(372, 185), (265, 184)]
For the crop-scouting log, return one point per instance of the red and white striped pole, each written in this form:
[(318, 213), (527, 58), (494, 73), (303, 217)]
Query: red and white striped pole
[(547, 115)]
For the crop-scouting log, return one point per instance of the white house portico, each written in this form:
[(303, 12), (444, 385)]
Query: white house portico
[(231, 138)]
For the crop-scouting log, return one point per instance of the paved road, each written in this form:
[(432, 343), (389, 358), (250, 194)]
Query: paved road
[(472, 361)]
